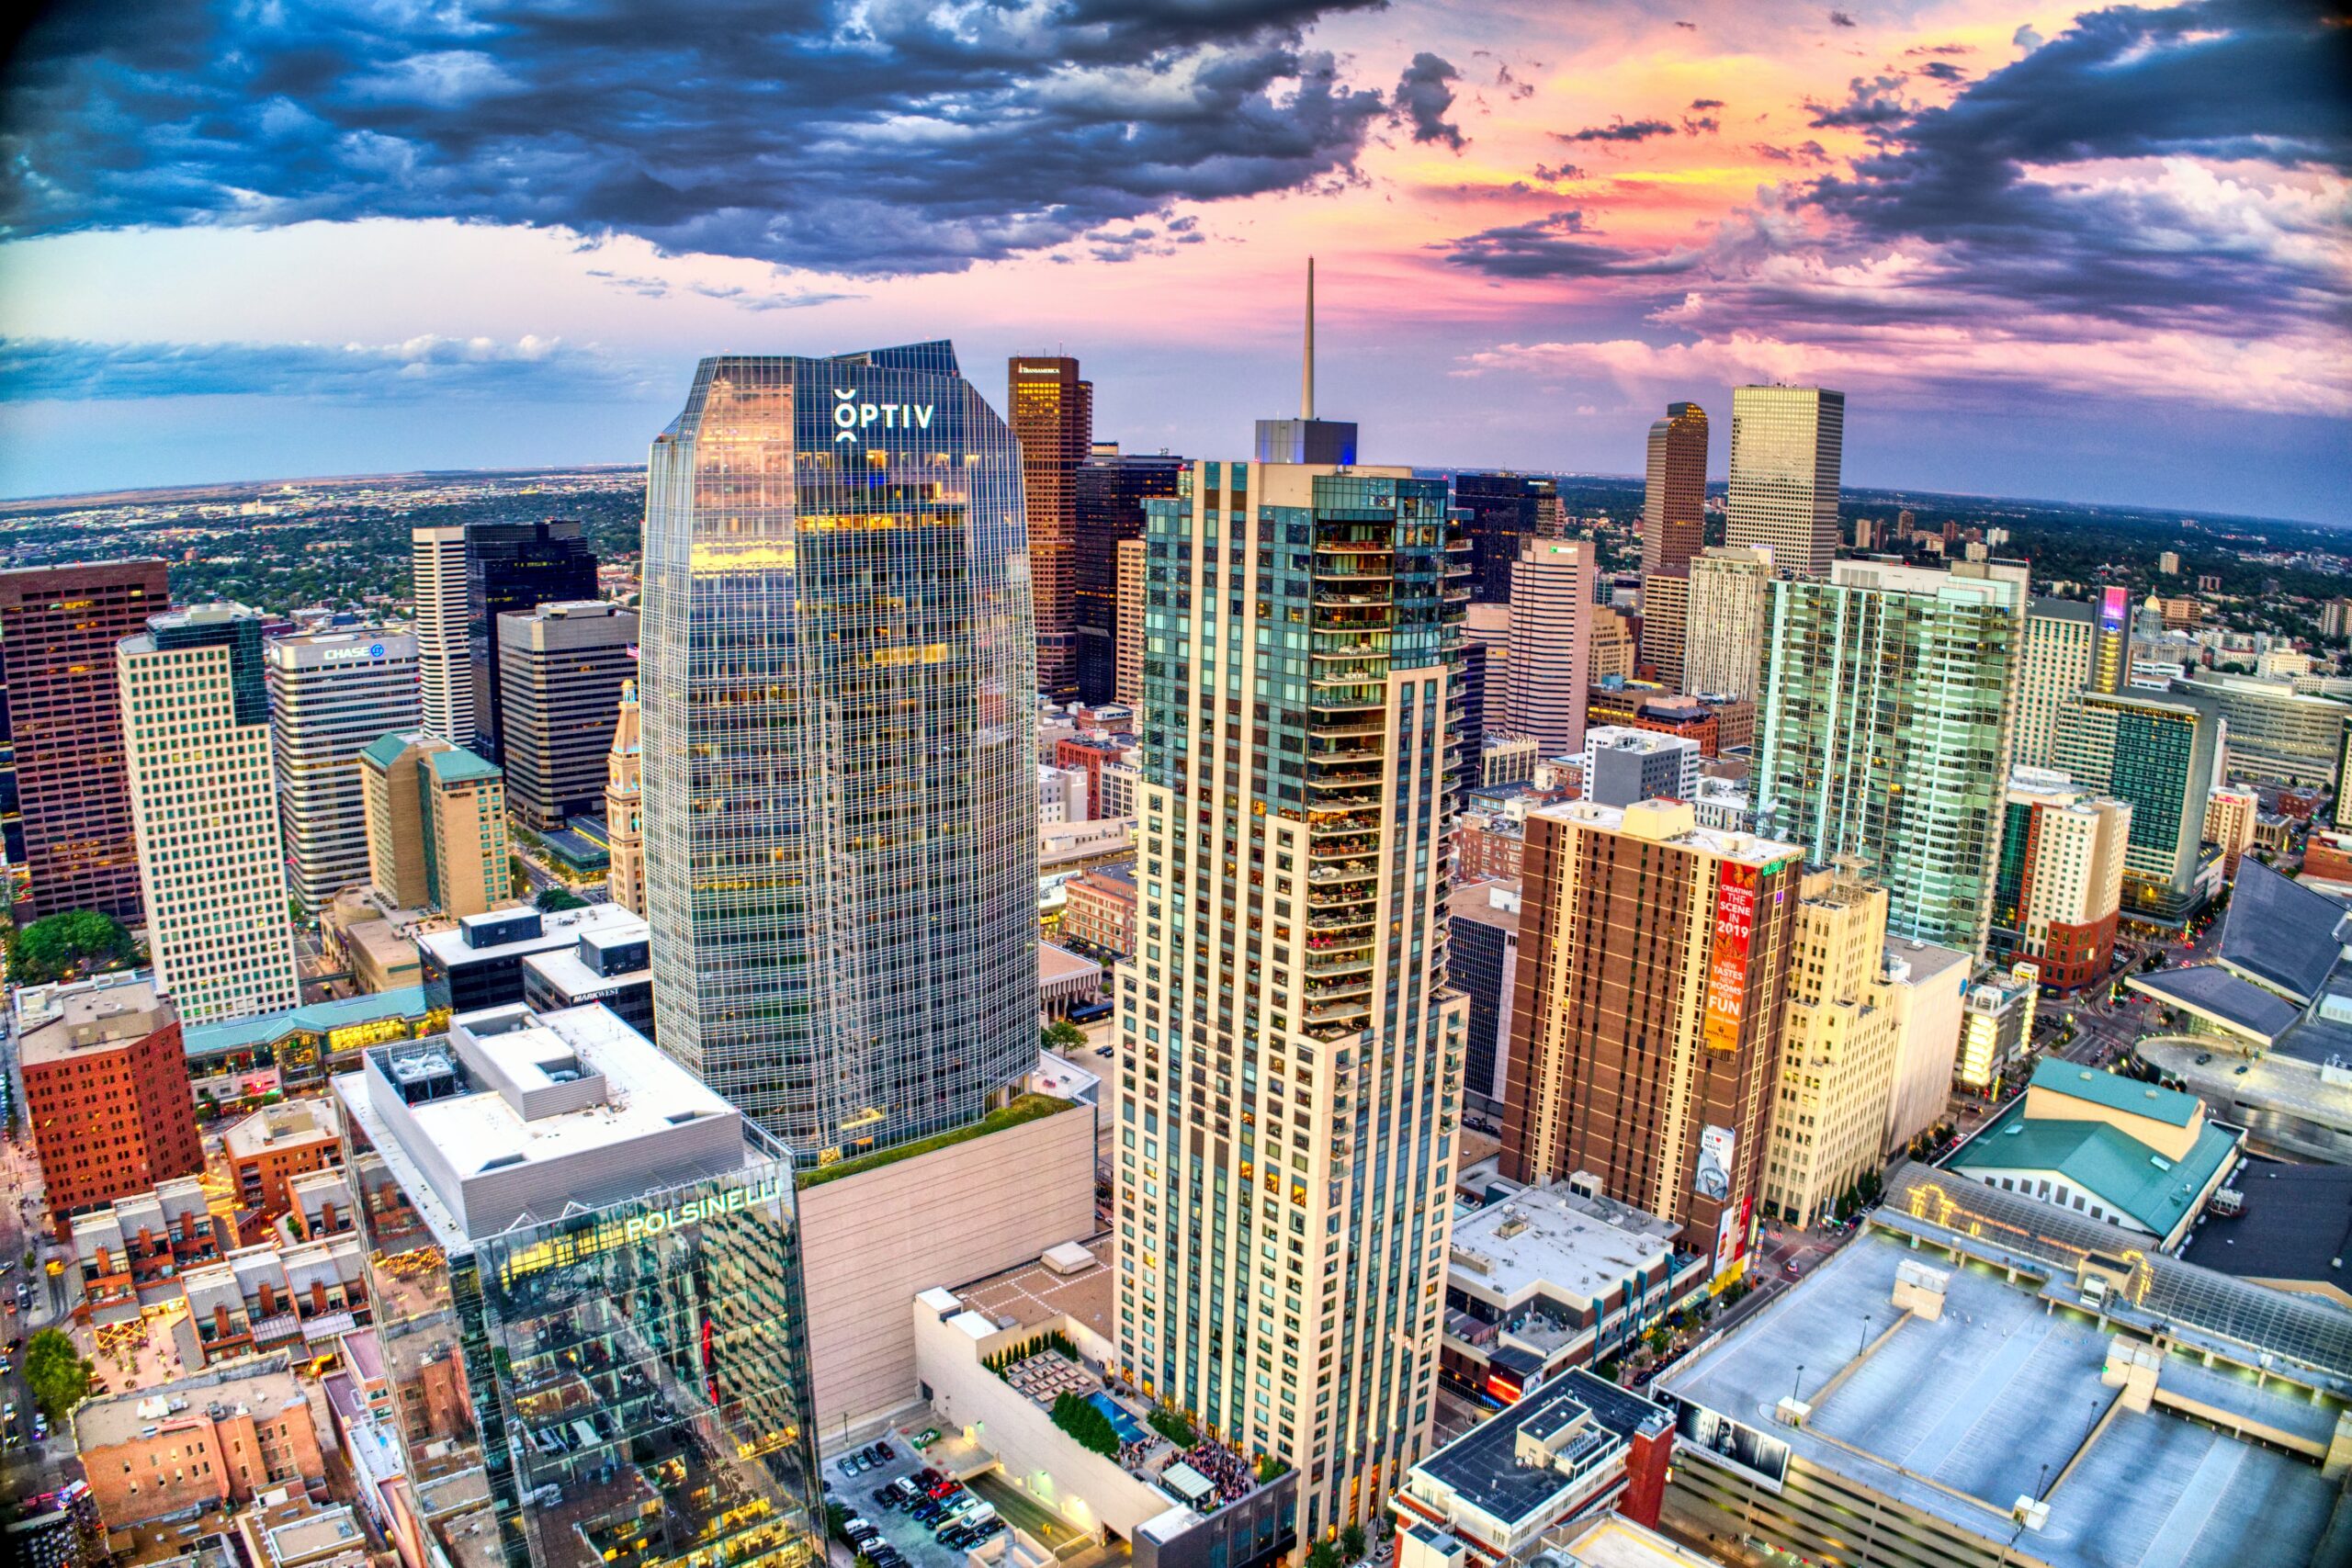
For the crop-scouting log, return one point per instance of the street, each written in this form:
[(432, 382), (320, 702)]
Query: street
[(25, 1467)]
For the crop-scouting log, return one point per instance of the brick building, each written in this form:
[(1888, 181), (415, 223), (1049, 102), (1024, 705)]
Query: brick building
[(1100, 909), (105, 1092), (1632, 707), (269, 1149), (140, 1242), (1487, 847), (199, 1446)]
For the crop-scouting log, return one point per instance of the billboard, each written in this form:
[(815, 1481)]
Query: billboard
[(1727, 963), (1717, 1147), (1762, 1457), (1731, 1235), (2114, 608)]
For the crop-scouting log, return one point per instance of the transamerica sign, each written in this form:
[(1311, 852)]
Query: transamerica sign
[(1727, 964)]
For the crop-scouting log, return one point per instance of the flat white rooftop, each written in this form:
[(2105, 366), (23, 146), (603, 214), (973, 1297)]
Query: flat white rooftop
[(1546, 1238)]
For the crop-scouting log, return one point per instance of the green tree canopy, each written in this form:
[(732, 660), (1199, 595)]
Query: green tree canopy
[(556, 898), (1062, 1033), (67, 946), (56, 1372)]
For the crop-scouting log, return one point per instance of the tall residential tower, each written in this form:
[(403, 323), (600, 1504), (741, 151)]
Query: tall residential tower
[(1289, 1051), (837, 674), (329, 695)]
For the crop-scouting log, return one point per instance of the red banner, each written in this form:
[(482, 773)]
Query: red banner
[(1728, 966)]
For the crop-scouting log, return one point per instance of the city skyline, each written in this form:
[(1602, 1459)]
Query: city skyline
[(2127, 301)]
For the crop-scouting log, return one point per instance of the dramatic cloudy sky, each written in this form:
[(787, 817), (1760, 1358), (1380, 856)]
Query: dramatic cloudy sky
[(2049, 252)]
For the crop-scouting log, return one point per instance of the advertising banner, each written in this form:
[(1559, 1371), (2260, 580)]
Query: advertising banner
[(1729, 1442), (1727, 964), (1717, 1147)]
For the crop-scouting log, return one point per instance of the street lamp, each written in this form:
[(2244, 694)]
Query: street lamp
[(1798, 1384)]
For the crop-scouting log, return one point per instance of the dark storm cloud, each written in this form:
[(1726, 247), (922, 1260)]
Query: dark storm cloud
[(35, 368), (1550, 247), (1701, 105), (1840, 19), (892, 136), (1943, 70), (2226, 80), (1423, 97), (1618, 130), (1871, 104)]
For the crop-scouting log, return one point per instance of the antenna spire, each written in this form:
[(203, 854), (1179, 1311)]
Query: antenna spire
[(1307, 372)]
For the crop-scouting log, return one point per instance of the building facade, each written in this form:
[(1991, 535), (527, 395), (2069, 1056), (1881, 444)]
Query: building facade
[(624, 807), (2229, 816), (1126, 680), (2162, 756), (1294, 872), (1501, 510), (329, 695), (848, 949), (1622, 765), (587, 1279), (1111, 487), (1051, 411), (562, 666), (1889, 695), (1996, 1025), (444, 658), (1837, 1062), (59, 626), (1674, 498), (105, 1092), (1666, 617), (2059, 885), (1551, 643), (2061, 643), (1482, 958), (1722, 648), (196, 723), (511, 569), (1787, 452), (1647, 1027), (437, 826), (2278, 733)]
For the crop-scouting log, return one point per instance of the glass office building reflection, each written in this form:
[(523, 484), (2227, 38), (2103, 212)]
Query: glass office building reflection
[(838, 667), (629, 1371)]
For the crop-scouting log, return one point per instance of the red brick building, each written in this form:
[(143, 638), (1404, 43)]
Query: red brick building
[(269, 1149), (1663, 711), (59, 626), (1487, 849), (105, 1092), (198, 1445), (2327, 854), (1089, 752), (1101, 909)]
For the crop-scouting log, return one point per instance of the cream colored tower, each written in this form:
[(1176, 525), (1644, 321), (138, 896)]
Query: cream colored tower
[(2061, 643), (1290, 1055), (1787, 452), (1126, 680), (1838, 1059), (624, 808), (195, 724), (1722, 645)]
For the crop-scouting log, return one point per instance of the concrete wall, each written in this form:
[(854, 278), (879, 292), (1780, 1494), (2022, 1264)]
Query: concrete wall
[(870, 1242)]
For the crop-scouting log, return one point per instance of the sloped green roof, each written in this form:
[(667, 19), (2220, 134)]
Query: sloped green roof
[(2116, 1092), (401, 1001), (2102, 1162), (460, 766), (385, 749)]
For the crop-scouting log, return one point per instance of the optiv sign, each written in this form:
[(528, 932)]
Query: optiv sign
[(852, 417)]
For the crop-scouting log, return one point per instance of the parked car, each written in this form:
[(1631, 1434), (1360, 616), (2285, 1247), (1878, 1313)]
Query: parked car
[(887, 1452)]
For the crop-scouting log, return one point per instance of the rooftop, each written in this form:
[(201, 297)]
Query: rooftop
[(1476, 902), (1548, 1236), (558, 928), (1672, 822), (1960, 1417), (261, 1388), (2103, 1161), (1611, 1540), (54, 1021), (2295, 1225), (294, 1120), (1484, 1466), (1034, 1293), (2216, 994), (320, 1018), (565, 970), (460, 766), (1925, 960), (2116, 1092), (1061, 964), (2279, 934)]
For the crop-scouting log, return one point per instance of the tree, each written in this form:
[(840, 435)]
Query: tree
[(554, 898), (1352, 1543), (1061, 1034), (56, 1372), (1324, 1555), (68, 945)]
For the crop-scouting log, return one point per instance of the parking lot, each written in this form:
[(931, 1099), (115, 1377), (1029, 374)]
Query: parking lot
[(909, 1535)]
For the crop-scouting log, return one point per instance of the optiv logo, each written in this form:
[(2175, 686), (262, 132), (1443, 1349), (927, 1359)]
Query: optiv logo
[(850, 416)]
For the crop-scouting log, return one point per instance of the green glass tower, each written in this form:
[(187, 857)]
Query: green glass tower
[(1889, 695)]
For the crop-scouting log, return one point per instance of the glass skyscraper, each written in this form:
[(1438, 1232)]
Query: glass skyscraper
[(1889, 703), (838, 755)]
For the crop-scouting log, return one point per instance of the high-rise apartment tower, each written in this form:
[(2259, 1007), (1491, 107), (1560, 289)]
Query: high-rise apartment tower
[(1552, 615), (1111, 487), (836, 680)]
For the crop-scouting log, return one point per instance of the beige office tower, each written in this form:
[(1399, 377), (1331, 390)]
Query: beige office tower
[(1126, 682), (1613, 645), (1722, 646), (1837, 1057), (444, 653), (2229, 822), (1787, 447), (2061, 651), (437, 826), (1674, 501), (1666, 613), (1552, 615), (625, 808), (1488, 626), (196, 732), (1289, 1054)]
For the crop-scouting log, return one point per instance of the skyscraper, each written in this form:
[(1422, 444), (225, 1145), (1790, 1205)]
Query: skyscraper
[(329, 695), (1127, 679), (1652, 986), (2061, 641), (1502, 510), (1890, 693), (2159, 753), (1551, 642), (1666, 617), (1052, 414), (195, 724), (445, 658), (561, 669), (437, 826), (625, 808), (513, 568), (1111, 487), (1787, 447), (2112, 651), (1674, 499), (1289, 1051), (839, 758), (2059, 885), (1722, 647), (1837, 1062), (59, 626)]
